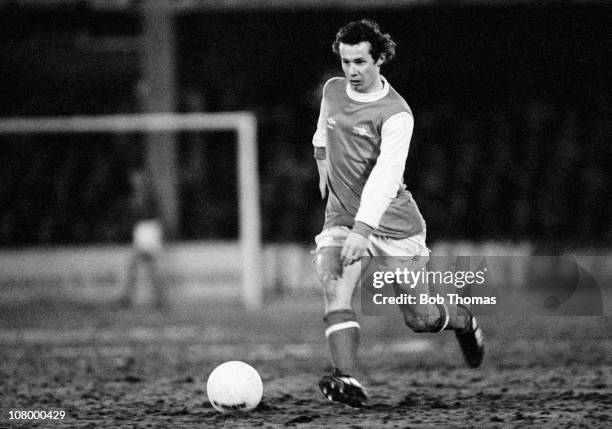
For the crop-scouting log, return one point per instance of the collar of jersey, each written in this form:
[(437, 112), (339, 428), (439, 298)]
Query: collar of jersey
[(370, 96)]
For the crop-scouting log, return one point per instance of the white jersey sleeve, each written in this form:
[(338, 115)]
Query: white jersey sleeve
[(387, 175), (320, 136)]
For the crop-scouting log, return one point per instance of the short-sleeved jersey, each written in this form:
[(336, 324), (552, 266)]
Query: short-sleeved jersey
[(353, 131)]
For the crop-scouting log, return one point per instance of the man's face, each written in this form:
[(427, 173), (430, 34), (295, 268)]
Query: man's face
[(360, 69)]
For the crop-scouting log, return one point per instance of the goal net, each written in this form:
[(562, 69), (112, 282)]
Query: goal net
[(242, 124)]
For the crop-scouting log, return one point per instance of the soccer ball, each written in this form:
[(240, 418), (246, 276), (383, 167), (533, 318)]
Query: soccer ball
[(234, 386)]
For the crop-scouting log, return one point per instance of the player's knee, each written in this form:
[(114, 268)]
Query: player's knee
[(328, 266), (330, 271), (417, 324), (420, 319)]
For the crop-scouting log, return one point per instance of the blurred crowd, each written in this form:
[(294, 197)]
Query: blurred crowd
[(512, 108), (533, 170)]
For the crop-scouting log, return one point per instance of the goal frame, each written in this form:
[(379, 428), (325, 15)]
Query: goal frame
[(242, 122)]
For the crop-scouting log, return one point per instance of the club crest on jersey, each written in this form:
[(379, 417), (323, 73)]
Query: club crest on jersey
[(362, 131), (331, 123)]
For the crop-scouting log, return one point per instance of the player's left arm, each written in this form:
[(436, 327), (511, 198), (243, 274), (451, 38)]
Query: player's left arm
[(383, 184), (319, 141)]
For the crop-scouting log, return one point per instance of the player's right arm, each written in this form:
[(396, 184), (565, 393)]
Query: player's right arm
[(319, 141), (322, 167)]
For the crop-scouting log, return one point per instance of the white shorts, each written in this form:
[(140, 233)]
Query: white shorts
[(379, 246)]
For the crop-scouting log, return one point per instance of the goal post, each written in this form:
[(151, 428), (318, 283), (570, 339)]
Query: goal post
[(245, 126)]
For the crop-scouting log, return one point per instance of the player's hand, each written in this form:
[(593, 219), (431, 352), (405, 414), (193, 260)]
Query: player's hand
[(353, 249)]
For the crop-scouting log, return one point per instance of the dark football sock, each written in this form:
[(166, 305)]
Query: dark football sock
[(463, 318), (343, 336), (457, 318)]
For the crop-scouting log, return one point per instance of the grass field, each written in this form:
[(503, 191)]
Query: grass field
[(108, 367)]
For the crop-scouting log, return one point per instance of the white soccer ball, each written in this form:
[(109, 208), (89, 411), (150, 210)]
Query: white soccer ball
[(234, 386)]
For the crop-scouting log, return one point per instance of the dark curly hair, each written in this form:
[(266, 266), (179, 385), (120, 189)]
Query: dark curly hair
[(366, 30)]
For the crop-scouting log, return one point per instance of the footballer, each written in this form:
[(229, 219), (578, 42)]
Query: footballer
[(360, 145)]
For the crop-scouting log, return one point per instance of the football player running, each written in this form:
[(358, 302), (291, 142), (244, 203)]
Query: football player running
[(361, 145)]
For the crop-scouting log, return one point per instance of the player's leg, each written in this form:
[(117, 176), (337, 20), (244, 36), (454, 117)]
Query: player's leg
[(462, 320), (444, 316), (471, 339), (129, 287), (425, 317), (410, 254), (429, 317), (342, 329), (160, 299)]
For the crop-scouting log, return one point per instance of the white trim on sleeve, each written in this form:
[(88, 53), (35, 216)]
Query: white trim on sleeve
[(320, 136)]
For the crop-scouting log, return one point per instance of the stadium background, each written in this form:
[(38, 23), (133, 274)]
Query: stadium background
[(512, 102)]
